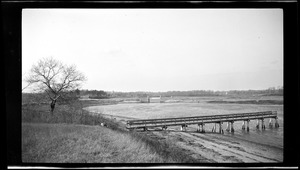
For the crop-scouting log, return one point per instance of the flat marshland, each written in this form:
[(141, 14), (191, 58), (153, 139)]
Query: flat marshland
[(73, 134)]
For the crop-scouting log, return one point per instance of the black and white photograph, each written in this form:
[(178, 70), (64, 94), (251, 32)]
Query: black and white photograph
[(202, 86)]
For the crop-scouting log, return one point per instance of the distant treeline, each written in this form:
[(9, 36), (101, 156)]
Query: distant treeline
[(272, 91), (101, 94), (95, 94)]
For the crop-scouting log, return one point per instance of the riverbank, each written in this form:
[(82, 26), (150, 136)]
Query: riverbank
[(222, 148)]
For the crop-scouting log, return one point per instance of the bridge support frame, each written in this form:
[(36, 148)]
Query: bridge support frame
[(183, 127), (164, 127), (201, 128)]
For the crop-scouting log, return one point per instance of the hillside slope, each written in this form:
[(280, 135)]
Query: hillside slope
[(69, 143)]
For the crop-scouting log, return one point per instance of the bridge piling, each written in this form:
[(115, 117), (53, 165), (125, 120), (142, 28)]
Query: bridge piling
[(248, 121), (270, 123), (263, 124), (257, 124), (183, 127), (220, 126), (164, 127), (214, 128), (228, 127), (203, 128), (276, 123), (243, 125), (232, 129)]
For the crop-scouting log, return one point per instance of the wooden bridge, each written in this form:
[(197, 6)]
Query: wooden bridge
[(202, 120)]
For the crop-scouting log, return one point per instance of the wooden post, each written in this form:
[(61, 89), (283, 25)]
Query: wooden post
[(228, 127), (232, 129), (220, 128), (203, 128), (164, 127), (248, 125), (213, 128), (263, 124), (276, 123), (243, 125), (181, 128), (198, 128), (257, 124), (270, 123)]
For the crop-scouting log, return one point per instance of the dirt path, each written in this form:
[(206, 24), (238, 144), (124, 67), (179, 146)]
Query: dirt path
[(212, 147)]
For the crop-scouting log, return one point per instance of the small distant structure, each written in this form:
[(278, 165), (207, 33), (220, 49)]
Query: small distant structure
[(86, 97), (154, 99)]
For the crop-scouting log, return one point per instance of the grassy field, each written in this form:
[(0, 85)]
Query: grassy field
[(73, 135), (65, 143)]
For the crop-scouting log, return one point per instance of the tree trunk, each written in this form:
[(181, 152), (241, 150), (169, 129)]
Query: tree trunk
[(52, 105)]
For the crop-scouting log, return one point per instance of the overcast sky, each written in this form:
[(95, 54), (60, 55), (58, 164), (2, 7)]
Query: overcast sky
[(160, 49)]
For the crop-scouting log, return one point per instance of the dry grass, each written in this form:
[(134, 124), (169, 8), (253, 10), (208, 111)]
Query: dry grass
[(64, 137), (65, 143)]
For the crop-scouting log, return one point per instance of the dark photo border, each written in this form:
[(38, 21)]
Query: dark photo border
[(12, 52)]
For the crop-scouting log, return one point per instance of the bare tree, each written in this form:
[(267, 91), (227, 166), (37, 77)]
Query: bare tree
[(54, 78)]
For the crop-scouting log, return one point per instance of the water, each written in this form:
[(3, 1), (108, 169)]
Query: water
[(272, 137)]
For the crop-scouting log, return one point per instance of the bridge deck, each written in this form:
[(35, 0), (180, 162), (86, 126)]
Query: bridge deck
[(142, 123)]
